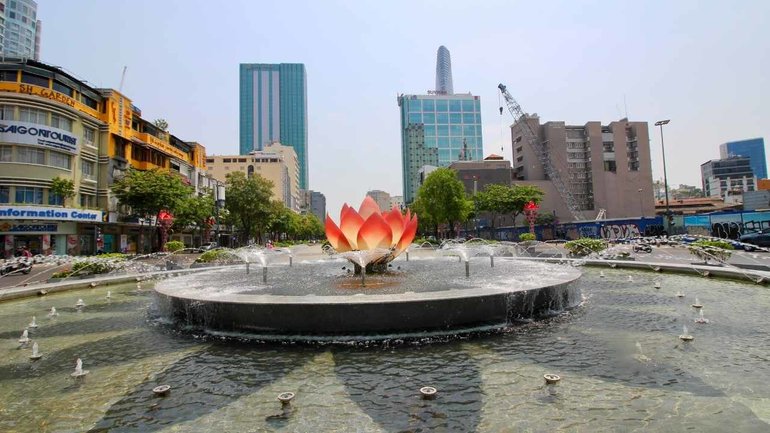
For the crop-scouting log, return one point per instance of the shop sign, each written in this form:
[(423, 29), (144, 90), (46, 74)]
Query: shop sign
[(28, 228), (49, 213), (37, 135)]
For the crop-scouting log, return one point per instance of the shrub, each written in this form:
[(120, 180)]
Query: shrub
[(213, 255), (173, 246), (61, 274), (585, 246), (711, 249), (525, 237)]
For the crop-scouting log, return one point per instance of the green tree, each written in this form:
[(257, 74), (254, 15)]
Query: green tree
[(194, 211), (146, 193), (64, 188), (442, 195), (497, 200), (281, 220), (248, 204), (161, 124)]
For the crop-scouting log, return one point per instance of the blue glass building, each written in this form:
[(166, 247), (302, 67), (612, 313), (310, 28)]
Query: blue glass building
[(754, 149), (273, 107), (450, 125)]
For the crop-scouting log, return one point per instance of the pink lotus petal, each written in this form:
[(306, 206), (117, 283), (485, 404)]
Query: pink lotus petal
[(342, 211), (407, 237), (368, 208), (375, 233), (350, 224), (335, 236), (396, 222)]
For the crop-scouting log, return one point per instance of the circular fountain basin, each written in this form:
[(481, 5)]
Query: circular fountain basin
[(325, 298)]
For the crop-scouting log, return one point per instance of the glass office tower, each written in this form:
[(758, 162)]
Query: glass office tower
[(754, 149), (448, 124), (273, 107)]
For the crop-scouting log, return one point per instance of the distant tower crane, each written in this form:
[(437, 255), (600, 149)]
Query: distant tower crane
[(541, 151)]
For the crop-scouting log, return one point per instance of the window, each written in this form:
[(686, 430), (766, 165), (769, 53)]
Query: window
[(87, 200), (442, 118), (89, 135), (28, 194), (30, 155), (428, 105), (33, 79), (87, 168), (429, 117), (6, 112), (89, 101), (8, 76), (5, 194), (61, 122), (441, 105), (415, 118), (33, 115), (469, 118), (58, 159), (63, 88), (455, 118), (455, 105), (55, 199), (6, 154), (468, 106)]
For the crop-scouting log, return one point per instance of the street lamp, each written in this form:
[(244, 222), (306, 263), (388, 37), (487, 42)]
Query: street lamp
[(665, 178), (219, 203), (641, 208)]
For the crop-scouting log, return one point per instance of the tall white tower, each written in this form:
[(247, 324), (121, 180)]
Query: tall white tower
[(444, 71)]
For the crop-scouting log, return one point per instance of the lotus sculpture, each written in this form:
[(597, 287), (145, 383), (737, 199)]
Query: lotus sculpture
[(384, 235)]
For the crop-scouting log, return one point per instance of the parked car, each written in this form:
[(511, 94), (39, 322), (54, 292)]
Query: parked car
[(209, 246), (17, 265), (760, 239)]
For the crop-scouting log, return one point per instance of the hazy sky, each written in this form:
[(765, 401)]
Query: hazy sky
[(703, 64)]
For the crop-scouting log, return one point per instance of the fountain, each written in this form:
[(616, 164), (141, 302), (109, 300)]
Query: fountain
[(33, 323), (80, 303), (697, 304), (109, 294), (700, 318), (685, 334), (53, 312), (79, 372), (35, 352), (318, 300), (24, 339)]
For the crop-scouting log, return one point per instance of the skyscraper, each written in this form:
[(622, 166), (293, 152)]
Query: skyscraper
[(438, 128), (273, 107), (443, 72), (21, 34), (754, 149)]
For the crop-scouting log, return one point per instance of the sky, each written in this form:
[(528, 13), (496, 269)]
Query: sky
[(702, 64)]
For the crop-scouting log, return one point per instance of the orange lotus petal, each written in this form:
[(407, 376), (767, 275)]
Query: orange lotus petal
[(368, 207), (396, 222), (350, 224), (375, 233), (335, 236), (342, 211), (407, 217), (407, 237)]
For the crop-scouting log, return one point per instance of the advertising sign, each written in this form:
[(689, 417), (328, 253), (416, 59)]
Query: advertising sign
[(49, 213), (38, 135)]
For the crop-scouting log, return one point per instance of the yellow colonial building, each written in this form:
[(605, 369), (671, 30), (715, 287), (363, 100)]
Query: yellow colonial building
[(55, 125)]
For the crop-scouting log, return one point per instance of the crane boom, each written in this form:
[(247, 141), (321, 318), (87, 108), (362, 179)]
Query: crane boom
[(541, 152)]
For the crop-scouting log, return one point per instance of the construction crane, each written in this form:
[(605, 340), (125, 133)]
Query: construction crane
[(540, 150)]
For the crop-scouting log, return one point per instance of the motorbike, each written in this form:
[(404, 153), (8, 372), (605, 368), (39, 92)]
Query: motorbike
[(21, 265)]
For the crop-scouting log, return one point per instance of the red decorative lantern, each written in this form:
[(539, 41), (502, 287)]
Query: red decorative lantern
[(530, 211), (165, 219)]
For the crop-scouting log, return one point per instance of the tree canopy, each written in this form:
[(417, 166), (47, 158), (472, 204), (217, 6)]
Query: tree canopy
[(248, 204), (64, 188), (442, 199), (496, 199)]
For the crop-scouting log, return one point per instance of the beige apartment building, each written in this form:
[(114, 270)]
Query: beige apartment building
[(601, 166), (382, 198), (276, 163)]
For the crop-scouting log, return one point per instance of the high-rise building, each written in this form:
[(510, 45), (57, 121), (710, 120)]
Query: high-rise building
[(603, 166), (727, 177), (21, 29), (444, 72), (273, 107), (754, 149), (438, 128)]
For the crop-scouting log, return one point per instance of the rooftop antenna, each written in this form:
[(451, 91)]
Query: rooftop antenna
[(122, 79), (625, 106)]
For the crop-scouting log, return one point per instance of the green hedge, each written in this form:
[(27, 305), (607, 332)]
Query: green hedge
[(711, 249), (213, 255), (173, 246), (585, 246), (524, 237)]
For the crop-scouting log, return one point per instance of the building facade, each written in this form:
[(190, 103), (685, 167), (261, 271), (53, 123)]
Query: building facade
[(444, 72), (276, 163), (601, 166), (21, 29), (437, 130), (728, 178), (53, 125), (754, 149), (382, 198), (273, 107)]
